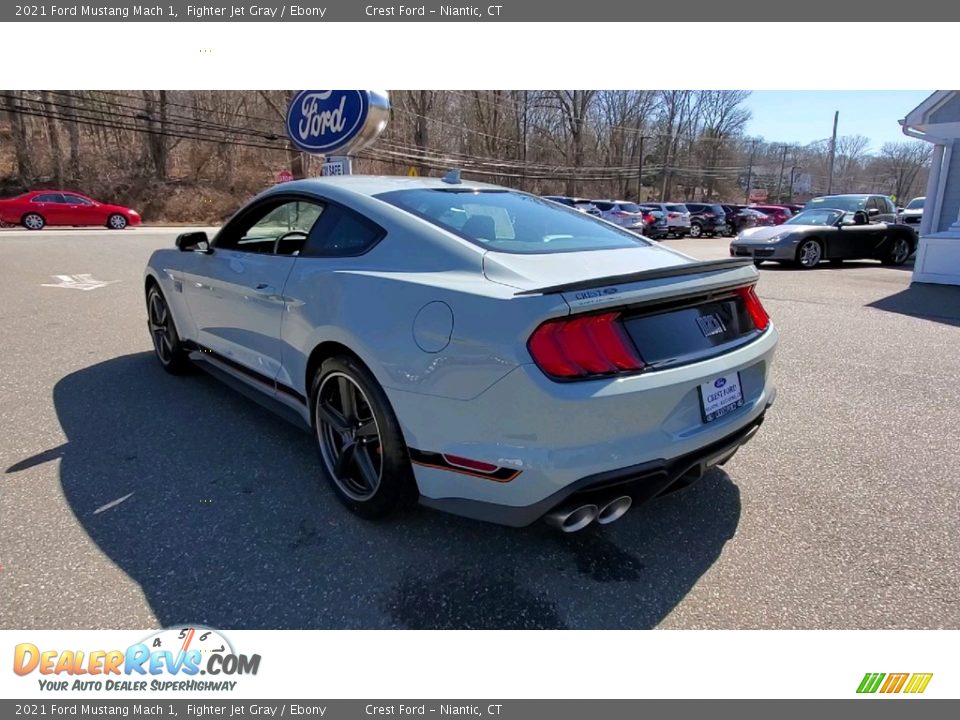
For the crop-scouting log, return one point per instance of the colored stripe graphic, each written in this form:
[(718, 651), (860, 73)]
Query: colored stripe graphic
[(870, 682), (918, 682), (894, 682)]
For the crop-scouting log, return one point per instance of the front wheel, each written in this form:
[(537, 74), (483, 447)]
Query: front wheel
[(116, 222), (360, 441), (33, 221), (899, 252), (166, 341), (809, 254)]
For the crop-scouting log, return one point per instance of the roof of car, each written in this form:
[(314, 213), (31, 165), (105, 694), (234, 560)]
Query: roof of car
[(376, 184)]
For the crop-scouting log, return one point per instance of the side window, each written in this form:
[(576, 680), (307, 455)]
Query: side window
[(877, 204), (279, 227), (76, 200), (342, 233), (48, 198)]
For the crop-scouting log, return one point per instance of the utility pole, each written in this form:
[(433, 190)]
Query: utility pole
[(783, 163), (640, 175), (792, 171), (833, 151), (753, 151)]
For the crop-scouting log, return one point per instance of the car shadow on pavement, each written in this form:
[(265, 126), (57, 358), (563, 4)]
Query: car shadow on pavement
[(217, 509), (939, 303)]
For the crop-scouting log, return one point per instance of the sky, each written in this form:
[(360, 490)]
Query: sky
[(801, 116)]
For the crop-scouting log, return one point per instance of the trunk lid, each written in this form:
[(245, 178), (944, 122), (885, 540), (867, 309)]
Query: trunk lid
[(599, 279)]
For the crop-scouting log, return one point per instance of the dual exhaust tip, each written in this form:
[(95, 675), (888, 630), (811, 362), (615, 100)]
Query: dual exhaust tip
[(575, 516)]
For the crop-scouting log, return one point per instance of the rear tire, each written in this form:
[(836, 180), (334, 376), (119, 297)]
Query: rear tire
[(163, 332), (899, 252), (695, 231), (33, 221), (360, 442)]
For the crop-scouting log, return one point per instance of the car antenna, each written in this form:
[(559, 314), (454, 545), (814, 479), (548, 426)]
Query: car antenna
[(452, 177)]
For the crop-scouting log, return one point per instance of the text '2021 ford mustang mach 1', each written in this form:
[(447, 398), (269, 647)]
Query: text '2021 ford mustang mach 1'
[(480, 350)]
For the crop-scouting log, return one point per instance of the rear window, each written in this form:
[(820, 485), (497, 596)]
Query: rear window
[(677, 208), (629, 207), (601, 205), (915, 204), (505, 221)]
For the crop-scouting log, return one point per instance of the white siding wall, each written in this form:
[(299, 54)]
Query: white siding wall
[(951, 192)]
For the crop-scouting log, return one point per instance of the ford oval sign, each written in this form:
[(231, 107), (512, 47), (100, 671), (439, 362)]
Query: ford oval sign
[(330, 121)]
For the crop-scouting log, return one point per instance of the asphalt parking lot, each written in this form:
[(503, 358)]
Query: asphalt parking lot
[(133, 499)]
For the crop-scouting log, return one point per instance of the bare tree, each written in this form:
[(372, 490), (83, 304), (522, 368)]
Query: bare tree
[(901, 164), (20, 134), (574, 107)]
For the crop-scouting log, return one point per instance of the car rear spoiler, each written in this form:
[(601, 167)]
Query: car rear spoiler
[(695, 268)]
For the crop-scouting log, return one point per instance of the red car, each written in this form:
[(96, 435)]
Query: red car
[(779, 213), (39, 208)]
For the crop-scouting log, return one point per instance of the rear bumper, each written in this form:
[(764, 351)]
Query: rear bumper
[(641, 482), (549, 440)]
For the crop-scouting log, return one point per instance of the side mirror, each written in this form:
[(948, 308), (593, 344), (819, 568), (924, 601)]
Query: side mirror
[(193, 242), (873, 212)]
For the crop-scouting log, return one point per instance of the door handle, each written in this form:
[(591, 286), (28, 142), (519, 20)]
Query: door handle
[(264, 289)]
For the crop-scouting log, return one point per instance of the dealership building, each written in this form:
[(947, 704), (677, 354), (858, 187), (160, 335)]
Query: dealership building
[(937, 120)]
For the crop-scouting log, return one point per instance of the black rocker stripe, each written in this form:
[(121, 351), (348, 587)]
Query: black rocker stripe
[(244, 370)]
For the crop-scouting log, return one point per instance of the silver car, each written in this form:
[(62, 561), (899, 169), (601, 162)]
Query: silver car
[(912, 214), (476, 349), (624, 213)]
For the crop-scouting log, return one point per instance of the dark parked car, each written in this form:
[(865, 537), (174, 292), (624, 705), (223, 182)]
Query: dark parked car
[(655, 224), (741, 217), (825, 233), (885, 209), (707, 219)]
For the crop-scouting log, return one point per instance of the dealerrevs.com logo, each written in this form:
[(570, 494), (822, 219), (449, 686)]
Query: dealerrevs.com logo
[(172, 659)]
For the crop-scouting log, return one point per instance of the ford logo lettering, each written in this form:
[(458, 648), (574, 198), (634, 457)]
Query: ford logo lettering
[(328, 121), (719, 383)]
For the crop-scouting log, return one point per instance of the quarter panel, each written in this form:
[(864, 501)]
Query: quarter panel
[(372, 312)]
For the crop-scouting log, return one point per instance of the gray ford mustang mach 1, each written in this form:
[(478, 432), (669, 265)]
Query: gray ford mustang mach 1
[(477, 349)]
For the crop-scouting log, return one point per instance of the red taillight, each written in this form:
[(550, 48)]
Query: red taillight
[(754, 307), (648, 219), (673, 215), (583, 346)]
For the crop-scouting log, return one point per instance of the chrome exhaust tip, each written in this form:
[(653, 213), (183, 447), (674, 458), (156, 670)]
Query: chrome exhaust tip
[(614, 510), (572, 518)]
